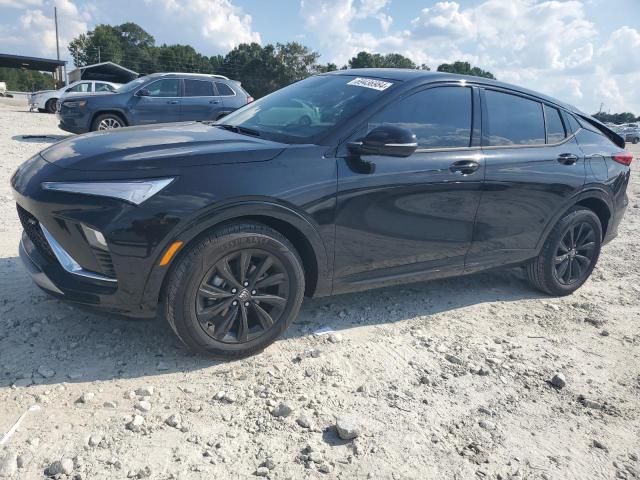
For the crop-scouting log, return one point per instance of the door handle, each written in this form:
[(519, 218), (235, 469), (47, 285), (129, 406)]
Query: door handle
[(214, 101), (567, 158), (464, 167), (172, 102)]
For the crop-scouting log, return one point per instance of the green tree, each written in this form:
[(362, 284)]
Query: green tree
[(617, 118), (377, 60), (464, 68), (25, 80)]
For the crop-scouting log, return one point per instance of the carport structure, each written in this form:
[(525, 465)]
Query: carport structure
[(56, 67), (108, 71)]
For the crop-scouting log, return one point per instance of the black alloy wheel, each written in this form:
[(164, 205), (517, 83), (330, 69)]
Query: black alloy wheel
[(242, 296), (575, 253), (234, 291), (569, 253)]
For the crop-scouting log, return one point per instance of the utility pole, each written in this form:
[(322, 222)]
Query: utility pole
[(55, 16), (98, 54)]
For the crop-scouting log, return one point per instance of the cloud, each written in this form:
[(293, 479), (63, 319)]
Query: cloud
[(20, 3), (219, 23), (546, 45)]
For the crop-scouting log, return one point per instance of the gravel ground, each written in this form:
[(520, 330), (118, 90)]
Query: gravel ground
[(493, 382)]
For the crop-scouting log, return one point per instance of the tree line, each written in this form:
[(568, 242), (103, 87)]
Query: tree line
[(260, 69)]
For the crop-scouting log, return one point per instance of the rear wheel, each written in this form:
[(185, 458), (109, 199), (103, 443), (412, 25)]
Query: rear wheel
[(235, 291), (107, 121), (569, 254), (635, 140), (50, 106)]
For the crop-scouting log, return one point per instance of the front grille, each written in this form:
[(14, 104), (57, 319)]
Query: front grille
[(106, 264), (34, 232)]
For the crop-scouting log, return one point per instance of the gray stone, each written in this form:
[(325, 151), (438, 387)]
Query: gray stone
[(143, 406), (315, 457), (591, 403), (63, 466), (135, 424), (558, 380), (282, 410), (325, 467), (144, 391), (304, 421), (174, 420), (487, 425), (453, 359), (8, 463), (598, 444), (94, 440), (348, 427), (262, 471), (86, 397)]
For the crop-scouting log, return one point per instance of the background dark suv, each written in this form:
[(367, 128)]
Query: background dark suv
[(155, 98)]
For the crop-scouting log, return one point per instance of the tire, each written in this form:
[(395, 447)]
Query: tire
[(199, 295), (107, 121), (305, 120), (586, 229), (635, 140), (50, 106)]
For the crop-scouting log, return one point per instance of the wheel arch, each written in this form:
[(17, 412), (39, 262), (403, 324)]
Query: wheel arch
[(291, 224), (111, 111), (595, 200)]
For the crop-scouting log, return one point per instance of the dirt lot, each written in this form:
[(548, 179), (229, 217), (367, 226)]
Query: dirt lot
[(441, 380)]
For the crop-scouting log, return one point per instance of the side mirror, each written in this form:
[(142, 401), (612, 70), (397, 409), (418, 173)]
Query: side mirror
[(388, 140), (67, 90), (143, 92)]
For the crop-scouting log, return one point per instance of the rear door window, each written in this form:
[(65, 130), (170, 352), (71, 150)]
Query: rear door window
[(513, 120), (555, 128), (168, 87), (224, 90), (83, 87), (104, 87), (440, 117), (198, 88)]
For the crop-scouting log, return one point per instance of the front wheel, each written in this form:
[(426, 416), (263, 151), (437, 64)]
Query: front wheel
[(107, 121), (50, 106), (635, 140), (235, 291), (569, 254)]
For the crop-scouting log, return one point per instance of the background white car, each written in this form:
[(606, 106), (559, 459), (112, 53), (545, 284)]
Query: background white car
[(45, 100)]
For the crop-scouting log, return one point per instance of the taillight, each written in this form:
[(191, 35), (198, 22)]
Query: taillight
[(624, 158), (249, 99)]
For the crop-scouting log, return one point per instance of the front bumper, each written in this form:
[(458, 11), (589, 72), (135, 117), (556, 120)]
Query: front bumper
[(73, 120)]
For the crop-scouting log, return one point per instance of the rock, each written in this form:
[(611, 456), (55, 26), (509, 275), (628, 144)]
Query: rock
[(262, 471), (348, 427), (45, 371), (268, 463), (453, 359), (325, 467), (109, 404), (282, 410), (64, 466), (484, 371), (604, 333), (590, 403), (335, 338), (143, 406), (144, 391), (8, 463), (135, 424), (304, 421), (94, 440), (174, 420), (487, 425), (558, 380), (86, 397), (600, 445), (315, 457), (596, 322)]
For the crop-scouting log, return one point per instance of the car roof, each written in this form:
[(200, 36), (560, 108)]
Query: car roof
[(406, 75), (185, 74)]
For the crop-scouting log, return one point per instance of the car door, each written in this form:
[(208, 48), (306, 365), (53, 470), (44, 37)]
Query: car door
[(534, 166), (157, 102), (401, 219), (230, 99), (200, 101)]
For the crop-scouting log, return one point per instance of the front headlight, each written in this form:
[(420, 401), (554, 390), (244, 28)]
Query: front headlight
[(74, 103), (134, 191)]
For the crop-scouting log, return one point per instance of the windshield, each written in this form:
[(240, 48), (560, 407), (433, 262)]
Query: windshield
[(132, 85), (308, 109)]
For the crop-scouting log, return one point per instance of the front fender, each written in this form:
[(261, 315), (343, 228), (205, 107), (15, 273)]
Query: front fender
[(190, 229)]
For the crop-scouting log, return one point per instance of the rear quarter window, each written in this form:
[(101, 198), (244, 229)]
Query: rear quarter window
[(513, 120)]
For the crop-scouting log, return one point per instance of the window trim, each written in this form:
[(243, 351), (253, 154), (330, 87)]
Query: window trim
[(476, 120), (485, 119)]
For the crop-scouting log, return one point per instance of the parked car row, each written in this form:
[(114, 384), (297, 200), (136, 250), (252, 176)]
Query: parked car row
[(629, 131), (155, 98), (47, 100)]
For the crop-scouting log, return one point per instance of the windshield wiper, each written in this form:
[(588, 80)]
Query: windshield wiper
[(238, 129)]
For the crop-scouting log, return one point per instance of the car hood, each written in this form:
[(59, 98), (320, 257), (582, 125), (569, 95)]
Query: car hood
[(164, 146)]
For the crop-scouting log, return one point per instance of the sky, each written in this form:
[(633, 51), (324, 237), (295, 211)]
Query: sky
[(584, 52)]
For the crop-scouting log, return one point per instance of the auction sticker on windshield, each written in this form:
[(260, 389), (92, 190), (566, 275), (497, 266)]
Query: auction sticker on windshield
[(370, 83)]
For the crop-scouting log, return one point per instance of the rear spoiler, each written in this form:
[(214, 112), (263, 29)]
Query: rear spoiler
[(606, 131)]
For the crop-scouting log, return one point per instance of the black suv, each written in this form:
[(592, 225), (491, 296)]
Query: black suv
[(155, 98), (341, 182)]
